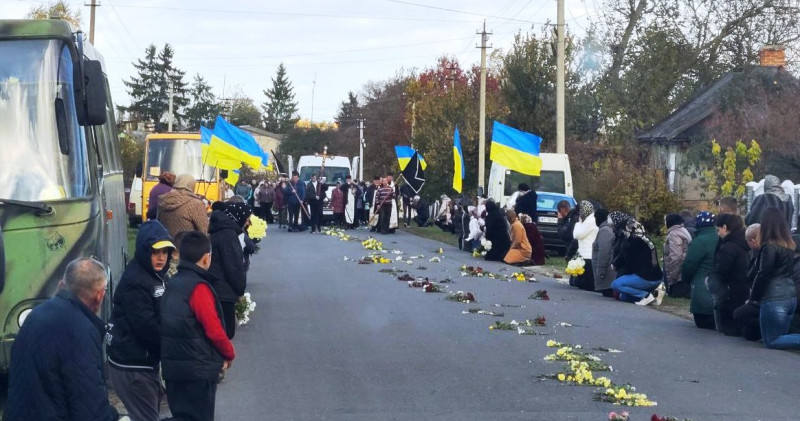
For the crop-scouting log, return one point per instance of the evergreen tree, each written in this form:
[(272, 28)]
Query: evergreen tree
[(349, 112), (203, 107), (280, 110), (150, 87)]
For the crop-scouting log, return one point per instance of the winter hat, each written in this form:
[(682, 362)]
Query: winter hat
[(240, 212), (704, 219), (167, 178), (218, 205), (673, 219)]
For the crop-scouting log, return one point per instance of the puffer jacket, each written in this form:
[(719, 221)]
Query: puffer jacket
[(585, 232), (181, 210), (697, 265), (227, 258), (728, 279), (676, 245), (134, 341), (774, 276)]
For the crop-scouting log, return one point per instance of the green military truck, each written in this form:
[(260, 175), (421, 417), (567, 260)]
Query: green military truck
[(61, 188)]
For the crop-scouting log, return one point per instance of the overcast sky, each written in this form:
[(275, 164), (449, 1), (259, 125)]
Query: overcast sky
[(340, 44)]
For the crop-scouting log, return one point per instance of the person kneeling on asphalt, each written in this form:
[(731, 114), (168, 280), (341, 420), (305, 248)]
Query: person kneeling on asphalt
[(642, 283), (195, 349)]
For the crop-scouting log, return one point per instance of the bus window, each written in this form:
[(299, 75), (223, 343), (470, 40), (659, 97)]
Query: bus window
[(179, 156), (37, 165), (332, 174)]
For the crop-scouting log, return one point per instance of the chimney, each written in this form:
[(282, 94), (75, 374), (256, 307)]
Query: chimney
[(772, 56)]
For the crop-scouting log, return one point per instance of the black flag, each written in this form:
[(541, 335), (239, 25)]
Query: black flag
[(278, 163), (413, 173)]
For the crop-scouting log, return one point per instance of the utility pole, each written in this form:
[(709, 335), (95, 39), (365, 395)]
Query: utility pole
[(413, 120), (452, 77), (169, 117), (93, 5), (313, 86), (361, 149), (482, 123), (560, 79)]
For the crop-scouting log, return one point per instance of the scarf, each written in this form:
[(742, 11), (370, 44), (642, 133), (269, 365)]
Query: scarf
[(619, 219), (772, 185), (586, 209), (634, 229)]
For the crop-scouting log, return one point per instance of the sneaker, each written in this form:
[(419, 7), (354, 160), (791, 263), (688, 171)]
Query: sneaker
[(646, 300), (659, 293)]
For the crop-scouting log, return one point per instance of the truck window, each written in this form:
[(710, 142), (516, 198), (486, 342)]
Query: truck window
[(552, 181)]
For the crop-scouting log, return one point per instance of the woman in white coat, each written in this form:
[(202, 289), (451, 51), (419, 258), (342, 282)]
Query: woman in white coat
[(585, 232)]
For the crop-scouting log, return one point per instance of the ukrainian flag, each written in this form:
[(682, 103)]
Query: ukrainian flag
[(458, 163), (404, 154), (233, 142), (213, 158), (516, 150)]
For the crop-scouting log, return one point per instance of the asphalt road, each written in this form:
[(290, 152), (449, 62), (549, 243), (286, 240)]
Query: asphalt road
[(334, 340)]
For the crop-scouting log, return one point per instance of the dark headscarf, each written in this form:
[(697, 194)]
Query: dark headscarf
[(240, 212), (673, 219), (704, 219), (619, 219), (600, 216)]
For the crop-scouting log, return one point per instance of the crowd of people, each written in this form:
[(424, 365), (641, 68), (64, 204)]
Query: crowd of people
[(172, 317), (742, 280), (173, 314)]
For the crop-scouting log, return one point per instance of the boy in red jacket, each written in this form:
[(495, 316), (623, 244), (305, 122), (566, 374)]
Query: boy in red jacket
[(194, 347)]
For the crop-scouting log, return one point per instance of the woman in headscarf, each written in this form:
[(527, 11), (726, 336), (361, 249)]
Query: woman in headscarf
[(641, 282), (603, 253), (538, 255), (697, 265), (164, 186), (337, 203), (774, 196), (496, 232), (182, 210), (227, 258), (676, 245), (585, 232), (520, 251)]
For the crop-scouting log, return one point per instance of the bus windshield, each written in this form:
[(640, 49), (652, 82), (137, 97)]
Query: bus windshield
[(550, 181), (332, 174), (37, 93), (178, 156)]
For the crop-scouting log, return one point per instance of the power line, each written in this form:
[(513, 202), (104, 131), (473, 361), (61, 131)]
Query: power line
[(295, 14), (459, 11), (309, 64)]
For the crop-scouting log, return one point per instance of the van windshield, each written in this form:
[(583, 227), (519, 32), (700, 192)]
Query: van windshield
[(332, 174), (551, 181)]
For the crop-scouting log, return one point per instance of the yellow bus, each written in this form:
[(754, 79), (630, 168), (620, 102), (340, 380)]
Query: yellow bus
[(178, 153)]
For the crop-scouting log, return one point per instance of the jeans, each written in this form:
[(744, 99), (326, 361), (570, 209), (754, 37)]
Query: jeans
[(775, 319), (633, 287)]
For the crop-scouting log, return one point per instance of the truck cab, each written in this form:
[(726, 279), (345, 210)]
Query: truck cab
[(556, 177)]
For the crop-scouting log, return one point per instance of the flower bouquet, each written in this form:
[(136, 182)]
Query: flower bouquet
[(575, 267), (462, 297), (372, 244), (539, 295), (477, 271), (257, 229), (374, 258), (243, 308), (522, 277), (623, 395), (481, 250), (484, 312)]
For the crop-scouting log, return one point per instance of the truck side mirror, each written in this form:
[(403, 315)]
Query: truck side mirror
[(91, 105)]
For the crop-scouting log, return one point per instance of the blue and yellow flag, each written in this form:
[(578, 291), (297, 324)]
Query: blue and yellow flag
[(404, 154), (458, 162), (230, 141), (516, 150), (213, 158)]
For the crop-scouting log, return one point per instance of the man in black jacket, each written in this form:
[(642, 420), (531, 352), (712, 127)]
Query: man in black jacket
[(315, 195), (134, 341), (227, 263), (56, 370)]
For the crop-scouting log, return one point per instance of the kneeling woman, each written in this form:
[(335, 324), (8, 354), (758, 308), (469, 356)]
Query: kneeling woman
[(520, 251), (639, 258), (773, 287)]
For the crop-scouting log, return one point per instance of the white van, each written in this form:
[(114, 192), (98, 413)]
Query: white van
[(556, 177), (337, 168)]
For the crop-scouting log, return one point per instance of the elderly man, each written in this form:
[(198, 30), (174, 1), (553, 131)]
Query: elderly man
[(57, 358)]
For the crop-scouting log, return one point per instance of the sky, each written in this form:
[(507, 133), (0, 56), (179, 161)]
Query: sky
[(328, 47)]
